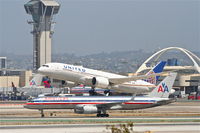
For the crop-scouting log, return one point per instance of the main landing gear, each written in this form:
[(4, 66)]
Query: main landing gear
[(102, 113), (92, 92)]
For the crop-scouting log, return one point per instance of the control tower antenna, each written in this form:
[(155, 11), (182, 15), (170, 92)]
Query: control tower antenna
[(42, 12)]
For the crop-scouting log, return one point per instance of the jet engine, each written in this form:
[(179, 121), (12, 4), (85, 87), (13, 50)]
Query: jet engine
[(68, 84), (100, 82), (85, 109)]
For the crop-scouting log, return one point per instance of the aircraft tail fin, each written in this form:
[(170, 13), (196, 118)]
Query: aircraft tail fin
[(35, 81), (164, 87), (157, 69)]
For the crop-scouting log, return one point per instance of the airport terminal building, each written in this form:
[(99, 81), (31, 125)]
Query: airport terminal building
[(188, 78), (20, 78)]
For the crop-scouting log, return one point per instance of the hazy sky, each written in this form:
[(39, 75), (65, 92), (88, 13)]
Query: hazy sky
[(93, 26)]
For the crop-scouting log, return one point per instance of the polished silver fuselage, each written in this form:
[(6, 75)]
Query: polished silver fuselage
[(110, 102)]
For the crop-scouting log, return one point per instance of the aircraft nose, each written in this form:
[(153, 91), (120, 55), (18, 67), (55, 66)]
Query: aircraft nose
[(26, 106), (41, 70)]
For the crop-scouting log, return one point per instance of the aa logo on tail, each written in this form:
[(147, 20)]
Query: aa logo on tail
[(32, 82), (163, 88)]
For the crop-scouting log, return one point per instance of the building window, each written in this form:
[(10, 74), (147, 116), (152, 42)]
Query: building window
[(192, 81)]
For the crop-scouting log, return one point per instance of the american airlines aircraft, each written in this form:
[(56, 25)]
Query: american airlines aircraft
[(100, 79), (99, 104)]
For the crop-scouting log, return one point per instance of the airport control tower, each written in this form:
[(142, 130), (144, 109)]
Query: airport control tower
[(42, 12)]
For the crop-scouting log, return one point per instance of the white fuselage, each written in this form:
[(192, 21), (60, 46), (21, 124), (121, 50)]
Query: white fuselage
[(80, 75)]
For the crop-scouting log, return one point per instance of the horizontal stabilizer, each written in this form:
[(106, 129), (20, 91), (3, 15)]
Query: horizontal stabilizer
[(132, 78)]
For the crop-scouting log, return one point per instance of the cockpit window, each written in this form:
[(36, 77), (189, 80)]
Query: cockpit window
[(45, 65)]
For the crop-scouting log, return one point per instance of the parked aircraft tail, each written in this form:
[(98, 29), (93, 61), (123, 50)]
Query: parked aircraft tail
[(35, 81), (164, 87), (157, 69)]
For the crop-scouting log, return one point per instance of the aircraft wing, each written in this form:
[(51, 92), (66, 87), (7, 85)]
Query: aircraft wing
[(132, 78), (110, 105), (114, 104)]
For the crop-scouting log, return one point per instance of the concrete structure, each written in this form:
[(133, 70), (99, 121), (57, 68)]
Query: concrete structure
[(25, 78), (156, 56), (3, 63), (188, 78), (42, 12), (6, 81), (19, 77)]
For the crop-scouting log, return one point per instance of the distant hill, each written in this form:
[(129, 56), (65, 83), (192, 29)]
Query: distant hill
[(118, 62)]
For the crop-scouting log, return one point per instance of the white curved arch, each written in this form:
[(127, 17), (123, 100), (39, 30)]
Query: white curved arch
[(193, 55), (159, 53)]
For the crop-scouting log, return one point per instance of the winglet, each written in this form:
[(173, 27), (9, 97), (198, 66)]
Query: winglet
[(164, 87)]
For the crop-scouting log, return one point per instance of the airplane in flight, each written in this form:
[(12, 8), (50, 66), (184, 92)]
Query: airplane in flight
[(100, 79), (100, 104)]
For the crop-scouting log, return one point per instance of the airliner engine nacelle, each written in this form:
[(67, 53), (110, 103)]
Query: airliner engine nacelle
[(69, 83), (85, 109), (100, 82)]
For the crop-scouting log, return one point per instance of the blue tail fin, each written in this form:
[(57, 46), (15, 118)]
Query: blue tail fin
[(157, 69)]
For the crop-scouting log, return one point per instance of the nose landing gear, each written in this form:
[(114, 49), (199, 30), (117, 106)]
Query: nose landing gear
[(41, 113)]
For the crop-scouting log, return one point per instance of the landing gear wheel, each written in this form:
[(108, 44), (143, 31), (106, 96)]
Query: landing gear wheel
[(106, 115), (92, 92), (98, 115), (102, 115)]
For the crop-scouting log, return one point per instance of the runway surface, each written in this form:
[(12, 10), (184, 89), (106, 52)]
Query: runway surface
[(173, 118), (101, 128)]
